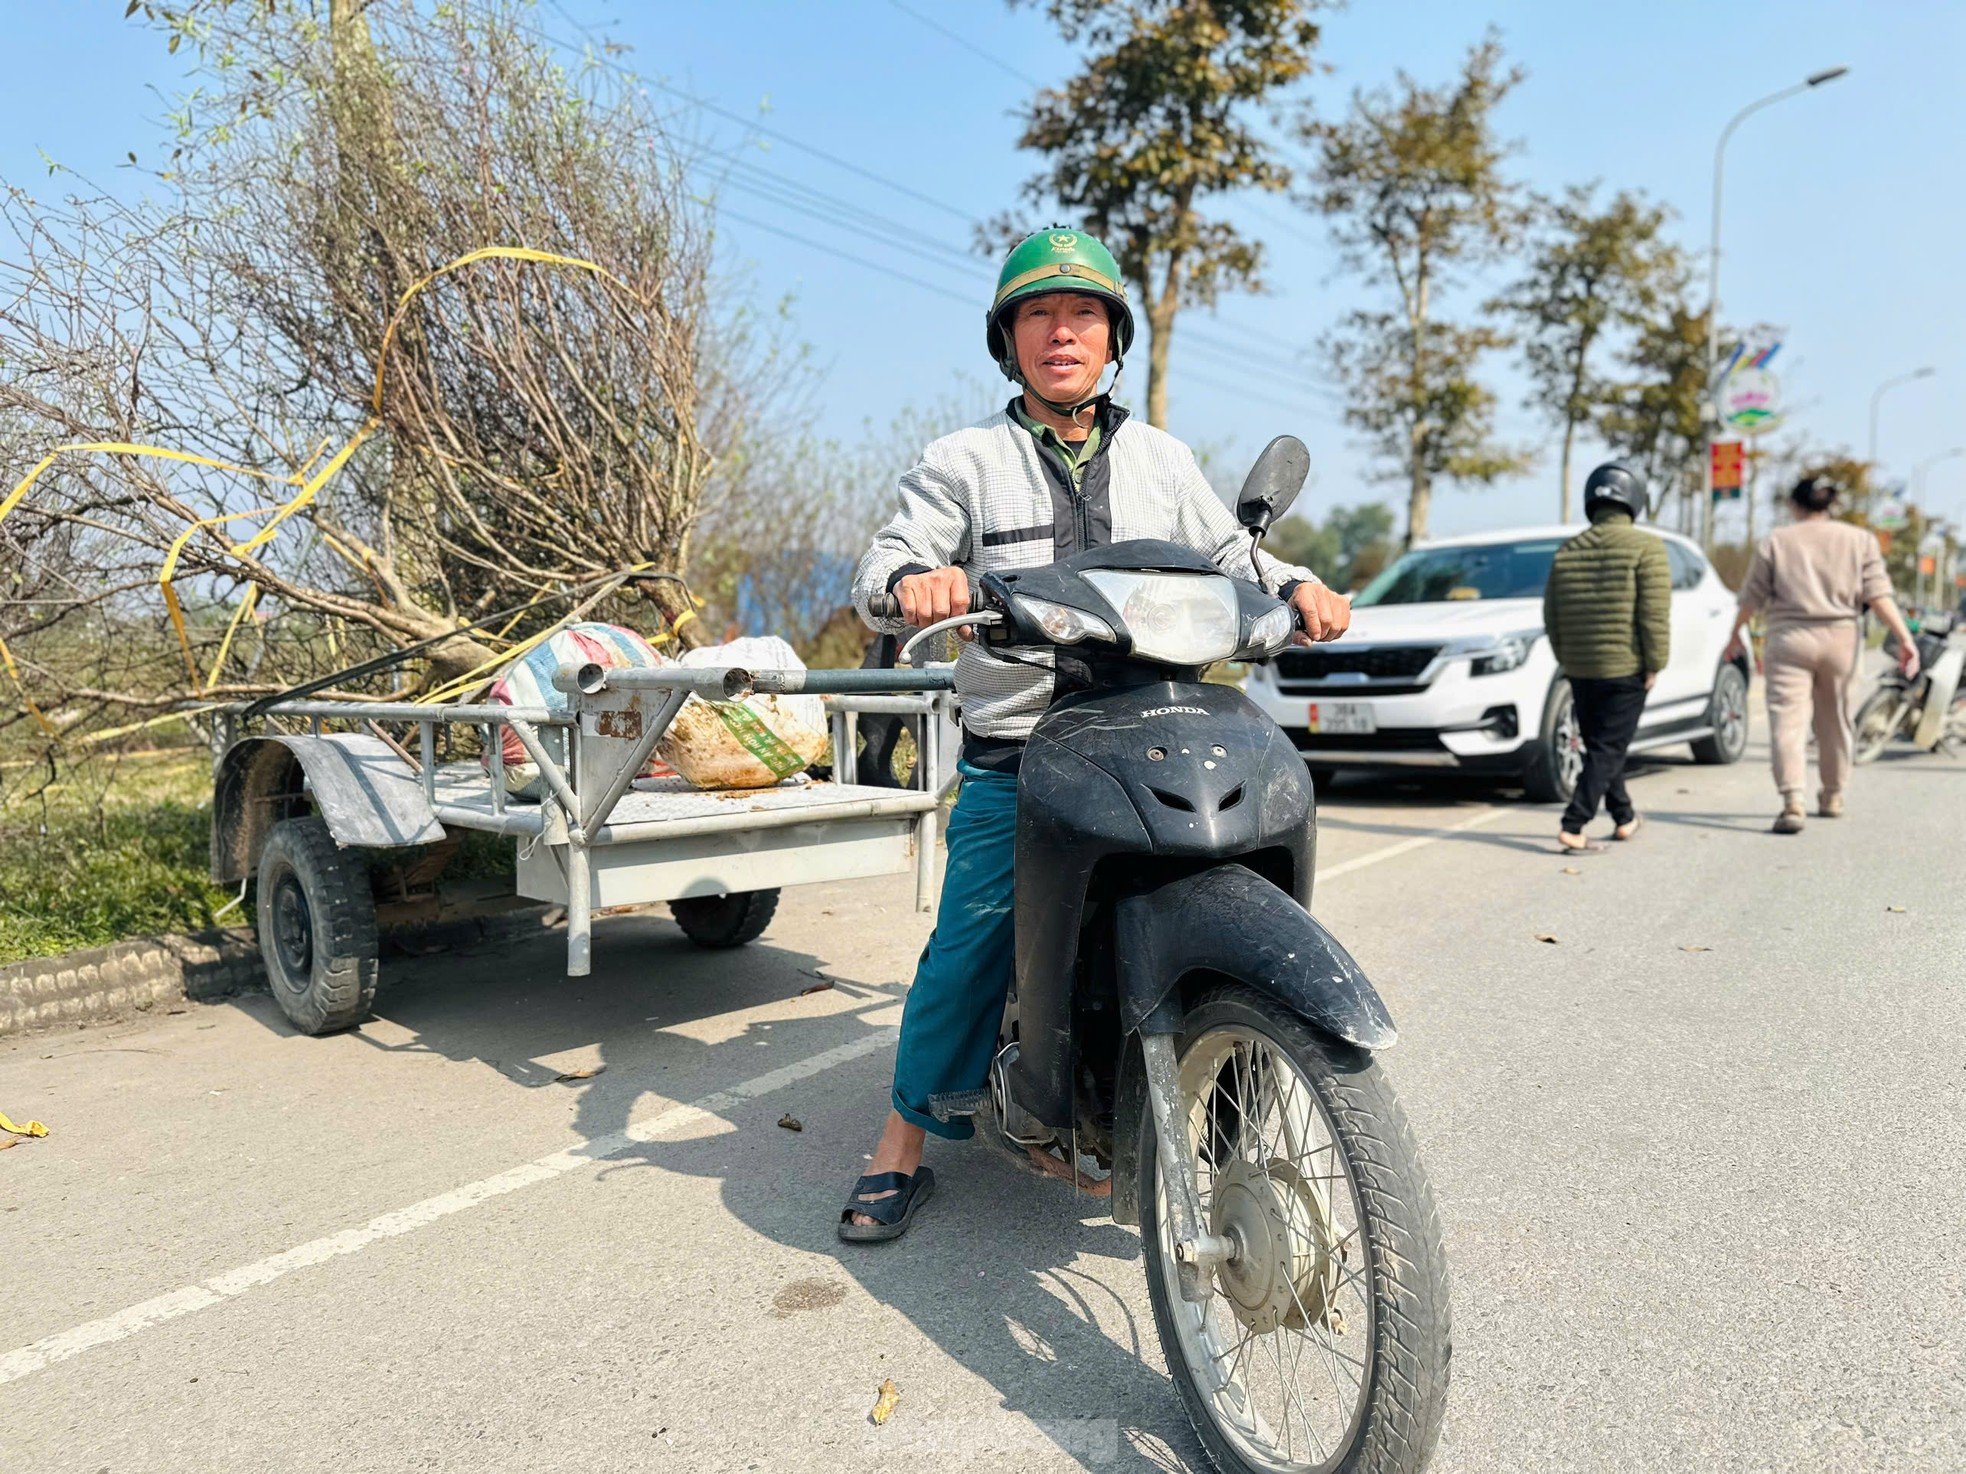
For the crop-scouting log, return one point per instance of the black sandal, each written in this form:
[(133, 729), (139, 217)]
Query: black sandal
[(891, 1214)]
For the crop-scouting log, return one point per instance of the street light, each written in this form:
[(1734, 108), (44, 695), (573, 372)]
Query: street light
[(1877, 396), (1708, 412), (1918, 471)]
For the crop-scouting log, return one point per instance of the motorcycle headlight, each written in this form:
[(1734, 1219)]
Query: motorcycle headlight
[(1269, 634), (1505, 654), (1062, 623), (1180, 618)]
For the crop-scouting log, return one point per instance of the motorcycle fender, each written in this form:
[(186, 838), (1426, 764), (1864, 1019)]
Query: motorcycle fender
[(1940, 685), (1230, 920)]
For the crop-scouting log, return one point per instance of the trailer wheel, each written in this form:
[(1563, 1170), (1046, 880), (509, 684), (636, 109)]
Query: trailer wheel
[(725, 921), (317, 928)]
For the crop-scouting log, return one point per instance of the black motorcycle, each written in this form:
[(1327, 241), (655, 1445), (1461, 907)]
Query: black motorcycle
[(1928, 709), (1180, 1018)]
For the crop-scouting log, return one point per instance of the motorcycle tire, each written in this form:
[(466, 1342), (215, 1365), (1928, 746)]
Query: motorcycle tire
[(1398, 1287), (1877, 721)]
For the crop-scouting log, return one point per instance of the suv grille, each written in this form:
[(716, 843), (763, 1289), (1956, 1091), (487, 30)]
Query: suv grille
[(1400, 663)]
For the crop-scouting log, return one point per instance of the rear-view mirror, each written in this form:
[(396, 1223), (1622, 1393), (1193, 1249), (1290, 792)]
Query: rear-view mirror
[(1273, 483)]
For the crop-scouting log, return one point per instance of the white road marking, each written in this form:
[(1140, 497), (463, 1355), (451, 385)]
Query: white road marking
[(220, 1288), (1407, 846), (214, 1291)]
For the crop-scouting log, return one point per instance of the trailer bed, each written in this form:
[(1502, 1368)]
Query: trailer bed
[(671, 806)]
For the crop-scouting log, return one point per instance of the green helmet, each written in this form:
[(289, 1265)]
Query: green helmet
[(1056, 260)]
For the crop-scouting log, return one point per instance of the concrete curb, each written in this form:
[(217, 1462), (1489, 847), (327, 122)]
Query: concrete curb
[(135, 976)]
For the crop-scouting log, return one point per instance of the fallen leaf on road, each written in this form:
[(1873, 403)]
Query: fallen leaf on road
[(823, 985), (1894, 908), (791, 1123), (11, 1141), (1571, 870), (1694, 947), (1543, 936), (885, 1404), (586, 1073)]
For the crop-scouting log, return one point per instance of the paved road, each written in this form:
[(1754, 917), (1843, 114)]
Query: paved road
[(1703, 1207)]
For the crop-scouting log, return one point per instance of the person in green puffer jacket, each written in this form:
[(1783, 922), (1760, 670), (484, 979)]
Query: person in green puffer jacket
[(1608, 613)]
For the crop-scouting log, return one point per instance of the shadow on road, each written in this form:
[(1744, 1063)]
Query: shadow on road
[(989, 1273)]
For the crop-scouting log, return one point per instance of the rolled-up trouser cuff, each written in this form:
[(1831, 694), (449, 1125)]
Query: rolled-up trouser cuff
[(960, 1128)]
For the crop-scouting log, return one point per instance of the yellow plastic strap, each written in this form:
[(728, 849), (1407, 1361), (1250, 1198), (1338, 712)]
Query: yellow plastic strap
[(157, 721), (124, 447), (307, 492), (168, 572), (676, 624), (32, 1128), (459, 683), (487, 253), (231, 629), (7, 659)]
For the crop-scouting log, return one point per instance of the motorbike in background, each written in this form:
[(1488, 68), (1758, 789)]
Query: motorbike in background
[(1929, 709)]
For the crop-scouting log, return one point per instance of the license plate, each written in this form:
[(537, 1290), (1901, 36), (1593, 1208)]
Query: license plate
[(1350, 717)]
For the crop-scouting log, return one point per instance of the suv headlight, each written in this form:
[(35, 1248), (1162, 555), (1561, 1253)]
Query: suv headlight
[(1180, 618), (1505, 654), (1269, 634), (1061, 622)]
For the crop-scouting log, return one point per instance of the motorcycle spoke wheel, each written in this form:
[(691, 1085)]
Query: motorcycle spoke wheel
[(1282, 1351)]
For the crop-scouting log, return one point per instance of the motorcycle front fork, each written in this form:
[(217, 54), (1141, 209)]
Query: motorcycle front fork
[(1197, 1252)]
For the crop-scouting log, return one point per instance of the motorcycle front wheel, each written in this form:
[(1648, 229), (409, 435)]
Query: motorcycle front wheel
[(1325, 1345), (1877, 721)]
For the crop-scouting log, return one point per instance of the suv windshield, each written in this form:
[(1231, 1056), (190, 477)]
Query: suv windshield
[(1481, 571)]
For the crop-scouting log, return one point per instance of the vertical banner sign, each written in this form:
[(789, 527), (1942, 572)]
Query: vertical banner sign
[(1748, 398), (1726, 465)]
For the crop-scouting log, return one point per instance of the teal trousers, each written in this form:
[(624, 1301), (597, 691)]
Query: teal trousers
[(949, 1023)]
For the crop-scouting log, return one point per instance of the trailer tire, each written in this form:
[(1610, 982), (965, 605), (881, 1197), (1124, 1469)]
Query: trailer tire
[(317, 930), (725, 921)]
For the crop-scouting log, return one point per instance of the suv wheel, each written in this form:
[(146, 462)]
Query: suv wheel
[(1558, 758), (1727, 712)]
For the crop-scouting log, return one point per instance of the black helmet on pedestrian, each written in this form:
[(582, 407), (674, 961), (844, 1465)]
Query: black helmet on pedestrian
[(1615, 484)]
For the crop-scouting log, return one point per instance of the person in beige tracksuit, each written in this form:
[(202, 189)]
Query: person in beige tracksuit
[(1812, 581)]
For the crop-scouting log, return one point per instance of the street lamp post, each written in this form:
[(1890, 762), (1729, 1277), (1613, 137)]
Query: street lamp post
[(1918, 471), (1877, 398), (1942, 569), (1708, 412)]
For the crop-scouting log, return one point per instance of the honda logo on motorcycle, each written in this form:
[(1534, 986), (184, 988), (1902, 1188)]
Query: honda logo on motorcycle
[(1161, 711)]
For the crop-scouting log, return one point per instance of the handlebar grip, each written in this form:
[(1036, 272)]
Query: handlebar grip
[(884, 606)]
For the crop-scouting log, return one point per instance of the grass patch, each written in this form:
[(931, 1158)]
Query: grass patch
[(113, 847), (119, 846)]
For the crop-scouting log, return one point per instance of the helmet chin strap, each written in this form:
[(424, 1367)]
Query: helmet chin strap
[(1067, 408)]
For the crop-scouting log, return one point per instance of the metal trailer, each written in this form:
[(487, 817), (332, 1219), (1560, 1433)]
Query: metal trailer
[(298, 810)]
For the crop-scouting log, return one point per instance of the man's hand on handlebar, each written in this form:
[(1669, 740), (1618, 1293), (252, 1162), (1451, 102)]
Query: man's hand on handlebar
[(1322, 613), (936, 595)]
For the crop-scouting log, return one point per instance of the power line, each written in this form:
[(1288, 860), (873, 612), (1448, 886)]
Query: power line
[(1239, 354), (968, 45), (811, 244)]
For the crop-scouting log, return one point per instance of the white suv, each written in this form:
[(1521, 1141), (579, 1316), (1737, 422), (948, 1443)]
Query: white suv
[(1446, 667)]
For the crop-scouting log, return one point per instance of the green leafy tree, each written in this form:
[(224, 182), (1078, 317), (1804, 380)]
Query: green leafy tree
[(1346, 549), (1592, 271), (1413, 184), (1157, 122), (1652, 415)]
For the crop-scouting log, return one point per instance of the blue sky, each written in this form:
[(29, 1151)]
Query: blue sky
[(1843, 215)]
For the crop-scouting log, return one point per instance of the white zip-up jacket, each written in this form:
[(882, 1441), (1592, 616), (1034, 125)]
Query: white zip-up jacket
[(989, 498)]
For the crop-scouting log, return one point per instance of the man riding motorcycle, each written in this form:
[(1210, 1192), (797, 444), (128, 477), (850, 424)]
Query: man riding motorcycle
[(1059, 470)]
